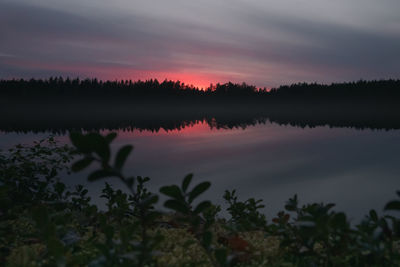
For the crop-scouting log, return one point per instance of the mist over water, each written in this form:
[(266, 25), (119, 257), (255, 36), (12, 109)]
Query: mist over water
[(356, 169)]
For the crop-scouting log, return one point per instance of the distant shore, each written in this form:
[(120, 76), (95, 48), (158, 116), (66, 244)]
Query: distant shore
[(372, 105)]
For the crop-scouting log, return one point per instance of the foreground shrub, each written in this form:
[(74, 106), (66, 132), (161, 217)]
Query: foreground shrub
[(44, 223)]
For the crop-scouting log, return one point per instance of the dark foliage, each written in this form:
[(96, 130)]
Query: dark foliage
[(43, 223), (92, 87), (58, 105)]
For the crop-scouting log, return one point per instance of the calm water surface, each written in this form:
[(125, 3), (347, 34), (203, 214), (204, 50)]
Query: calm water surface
[(357, 169)]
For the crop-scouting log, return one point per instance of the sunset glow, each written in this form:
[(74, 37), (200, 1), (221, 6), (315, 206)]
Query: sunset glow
[(264, 43)]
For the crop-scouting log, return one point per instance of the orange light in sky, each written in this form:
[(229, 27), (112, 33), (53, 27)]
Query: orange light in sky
[(198, 79)]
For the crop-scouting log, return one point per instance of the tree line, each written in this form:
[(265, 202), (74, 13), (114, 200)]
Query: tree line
[(152, 87), (61, 86)]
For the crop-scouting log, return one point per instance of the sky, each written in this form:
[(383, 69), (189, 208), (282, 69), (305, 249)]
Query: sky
[(260, 42)]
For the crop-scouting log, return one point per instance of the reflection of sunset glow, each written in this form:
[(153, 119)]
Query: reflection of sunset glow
[(192, 128)]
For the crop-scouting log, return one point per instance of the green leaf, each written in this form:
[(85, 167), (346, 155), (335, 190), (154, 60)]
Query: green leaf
[(221, 256), (202, 206), (96, 175), (99, 145), (130, 181), (122, 155), (172, 191), (80, 142), (149, 201), (198, 190), (152, 216), (176, 206), (373, 215), (291, 204), (55, 247), (110, 137), (59, 188), (40, 215), (393, 205), (186, 182), (207, 238), (81, 164), (339, 220)]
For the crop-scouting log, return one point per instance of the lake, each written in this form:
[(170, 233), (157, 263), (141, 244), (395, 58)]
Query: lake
[(356, 169)]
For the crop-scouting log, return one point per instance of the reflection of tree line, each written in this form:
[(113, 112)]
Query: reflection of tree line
[(58, 105), (61, 127), (169, 122)]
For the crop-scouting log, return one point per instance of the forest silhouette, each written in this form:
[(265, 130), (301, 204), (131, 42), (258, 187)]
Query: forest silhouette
[(59, 105)]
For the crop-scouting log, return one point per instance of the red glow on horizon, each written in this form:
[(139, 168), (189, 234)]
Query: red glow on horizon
[(200, 79)]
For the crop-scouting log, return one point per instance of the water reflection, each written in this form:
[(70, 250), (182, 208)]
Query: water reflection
[(356, 169), (178, 117)]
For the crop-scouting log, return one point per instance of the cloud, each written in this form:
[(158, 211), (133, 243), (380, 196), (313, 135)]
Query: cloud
[(240, 42)]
